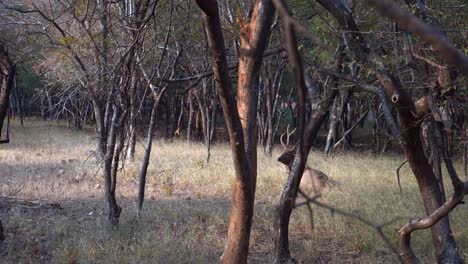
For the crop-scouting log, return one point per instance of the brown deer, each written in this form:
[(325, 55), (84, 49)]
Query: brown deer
[(312, 179)]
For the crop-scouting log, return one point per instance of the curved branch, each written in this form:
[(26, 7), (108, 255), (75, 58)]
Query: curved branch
[(431, 35), (426, 222)]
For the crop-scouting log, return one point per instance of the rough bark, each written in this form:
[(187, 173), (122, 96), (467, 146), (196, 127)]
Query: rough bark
[(190, 117), (7, 71), (2, 233), (444, 242), (254, 37), (307, 134), (240, 219), (145, 162), (109, 180)]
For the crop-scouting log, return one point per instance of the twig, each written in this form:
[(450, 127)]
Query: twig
[(377, 227), (398, 174)]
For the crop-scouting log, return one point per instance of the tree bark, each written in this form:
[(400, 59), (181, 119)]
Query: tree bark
[(2, 233), (109, 180), (148, 146), (444, 242), (307, 134), (7, 72), (240, 220), (254, 38), (190, 117), (288, 197)]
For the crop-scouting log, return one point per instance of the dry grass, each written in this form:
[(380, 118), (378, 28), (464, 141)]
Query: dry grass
[(185, 214)]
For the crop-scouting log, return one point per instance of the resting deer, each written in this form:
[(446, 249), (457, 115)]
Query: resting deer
[(312, 179)]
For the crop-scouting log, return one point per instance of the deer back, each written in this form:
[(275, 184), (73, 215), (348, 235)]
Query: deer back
[(314, 179)]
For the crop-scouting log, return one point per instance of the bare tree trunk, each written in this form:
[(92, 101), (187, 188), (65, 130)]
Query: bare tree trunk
[(209, 124), (465, 148), (256, 34), (101, 130), (148, 146), (19, 105), (432, 195), (7, 72), (444, 242), (214, 114), (181, 115), (273, 86), (109, 181), (190, 117), (307, 136), (131, 143), (432, 148), (254, 39), (2, 233), (202, 108), (331, 137), (131, 136)]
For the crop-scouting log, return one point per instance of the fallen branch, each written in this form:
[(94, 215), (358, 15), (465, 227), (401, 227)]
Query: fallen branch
[(6, 201)]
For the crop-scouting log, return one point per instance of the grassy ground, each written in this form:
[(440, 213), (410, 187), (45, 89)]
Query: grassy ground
[(185, 214)]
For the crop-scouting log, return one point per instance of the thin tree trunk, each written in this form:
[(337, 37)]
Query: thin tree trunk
[(2, 233), (331, 136), (240, 219), (100, 129), (7, 72), (146, 158), (19, 106), (307, 136), (190, 118), (130, 156), (109, 182)]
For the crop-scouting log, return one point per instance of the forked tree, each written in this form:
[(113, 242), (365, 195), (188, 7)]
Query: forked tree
[(240, 119)]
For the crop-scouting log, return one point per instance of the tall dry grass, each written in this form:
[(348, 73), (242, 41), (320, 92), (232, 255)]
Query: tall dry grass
[(187, 205)]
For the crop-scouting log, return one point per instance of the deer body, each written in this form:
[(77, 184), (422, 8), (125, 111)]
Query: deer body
[(312, 179)]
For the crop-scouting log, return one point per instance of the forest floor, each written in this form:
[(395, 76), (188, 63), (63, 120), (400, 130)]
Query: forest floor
[(62, 215)]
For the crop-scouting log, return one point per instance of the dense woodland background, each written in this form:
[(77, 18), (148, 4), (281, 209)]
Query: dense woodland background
[(120, 104)]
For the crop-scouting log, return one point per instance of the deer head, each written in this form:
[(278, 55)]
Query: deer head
[(287, 155)]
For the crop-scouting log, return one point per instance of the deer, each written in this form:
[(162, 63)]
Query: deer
[(312, 179)]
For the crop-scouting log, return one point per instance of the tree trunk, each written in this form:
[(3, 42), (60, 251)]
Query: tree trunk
[(2, 233), (130, 156), (100, 128), (19, 105), (331, 137), (109, 180), (444, 242), (148, 146), (288, 197), (190, 117), (240, 220), (7, 72)]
